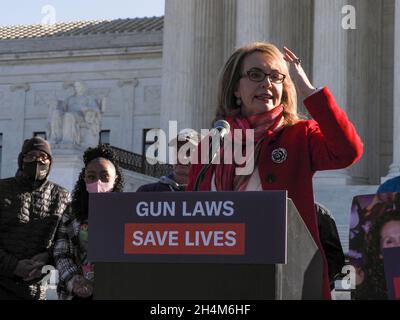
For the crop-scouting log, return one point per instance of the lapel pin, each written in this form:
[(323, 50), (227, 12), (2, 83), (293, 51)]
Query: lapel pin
[(279, 155)]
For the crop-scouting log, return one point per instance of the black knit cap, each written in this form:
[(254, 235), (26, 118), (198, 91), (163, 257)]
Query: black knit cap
[(35, 143)]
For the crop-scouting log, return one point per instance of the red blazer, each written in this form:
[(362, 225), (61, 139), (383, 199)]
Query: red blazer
[(328, 142)]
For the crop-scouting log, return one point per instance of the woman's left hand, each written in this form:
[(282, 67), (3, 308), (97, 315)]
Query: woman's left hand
[(303, 84)]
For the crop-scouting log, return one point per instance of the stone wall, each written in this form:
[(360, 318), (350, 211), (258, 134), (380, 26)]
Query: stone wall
[(129, 78)]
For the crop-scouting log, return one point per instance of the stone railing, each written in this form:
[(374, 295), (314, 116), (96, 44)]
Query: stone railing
[(136, 162)]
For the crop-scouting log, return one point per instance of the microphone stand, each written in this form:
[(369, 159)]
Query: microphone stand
[(223, 128), (202, 173)]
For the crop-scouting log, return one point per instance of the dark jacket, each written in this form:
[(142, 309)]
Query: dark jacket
[(29, 215), (330, 241)]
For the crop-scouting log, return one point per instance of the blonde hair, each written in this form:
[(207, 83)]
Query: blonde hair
[(231, 74)]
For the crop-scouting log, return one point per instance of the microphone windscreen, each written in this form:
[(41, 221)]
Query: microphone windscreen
[(221, 125)]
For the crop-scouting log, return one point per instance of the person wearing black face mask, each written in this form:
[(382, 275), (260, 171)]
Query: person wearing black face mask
[(36, 165), (31, 208)]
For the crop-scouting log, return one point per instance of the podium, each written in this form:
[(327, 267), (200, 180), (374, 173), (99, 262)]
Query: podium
[(179, 279)]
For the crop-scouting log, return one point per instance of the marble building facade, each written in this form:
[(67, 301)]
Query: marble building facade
[(152, 70), (360, 65), (118, 61)]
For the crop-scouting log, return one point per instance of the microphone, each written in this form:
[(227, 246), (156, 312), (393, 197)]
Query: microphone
[(222, 127), (220, 130)]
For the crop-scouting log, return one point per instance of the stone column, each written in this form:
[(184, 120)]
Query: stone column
[(394, 169), (208, 53), (18, 100), (364, 89), (330, 65), (253, 20), (387, 74), (291, 25), (192, 58), (229, 21), (177, 64), (127, 88)]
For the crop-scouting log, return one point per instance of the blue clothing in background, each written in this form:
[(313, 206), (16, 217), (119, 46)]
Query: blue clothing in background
[(392, 185)]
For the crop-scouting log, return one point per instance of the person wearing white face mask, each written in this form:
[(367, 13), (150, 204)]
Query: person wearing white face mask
[(100, 174)]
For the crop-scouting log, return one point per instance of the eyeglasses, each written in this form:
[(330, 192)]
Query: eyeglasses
[(259, 76), (33, 157)]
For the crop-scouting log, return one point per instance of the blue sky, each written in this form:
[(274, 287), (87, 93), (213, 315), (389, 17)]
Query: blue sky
[(13, 12)]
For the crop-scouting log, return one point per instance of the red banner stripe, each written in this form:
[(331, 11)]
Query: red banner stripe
[(185, 238), (396, 284)]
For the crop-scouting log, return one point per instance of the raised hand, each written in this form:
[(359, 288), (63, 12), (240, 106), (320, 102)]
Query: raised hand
[(300, 79)]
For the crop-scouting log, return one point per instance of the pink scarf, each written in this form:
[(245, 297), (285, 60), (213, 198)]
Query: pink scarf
[(263, 124)]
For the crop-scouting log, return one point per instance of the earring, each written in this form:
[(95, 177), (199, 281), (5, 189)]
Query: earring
[(238, 102)]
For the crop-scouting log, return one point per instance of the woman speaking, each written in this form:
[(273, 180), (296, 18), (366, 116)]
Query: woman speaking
[(256, 92)]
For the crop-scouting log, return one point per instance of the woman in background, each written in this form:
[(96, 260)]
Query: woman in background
[(100, 174)]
